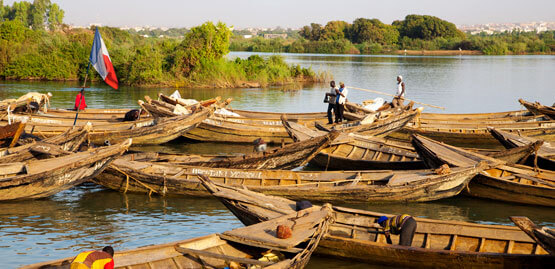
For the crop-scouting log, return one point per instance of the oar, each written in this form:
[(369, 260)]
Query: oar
[(378, 92)]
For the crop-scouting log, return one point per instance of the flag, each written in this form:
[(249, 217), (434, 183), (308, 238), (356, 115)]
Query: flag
[(100, 60)]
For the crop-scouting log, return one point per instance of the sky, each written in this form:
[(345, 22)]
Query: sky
[(295, 13)]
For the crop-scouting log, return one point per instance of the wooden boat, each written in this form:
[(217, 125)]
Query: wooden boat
[(517, 183), (357, 152), (42, 178), (62, 144), (288, 157), (476, 134), (255, 246), (357, 186), (538, 109), (436, 243), (383, 125), (146, 131), (544, 236), (545, 154)]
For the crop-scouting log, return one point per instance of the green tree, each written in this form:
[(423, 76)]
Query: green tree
[(38, 14), (335, 30), (207, 42), (19, 11), (55, 16), (427, 27), (372, 30)]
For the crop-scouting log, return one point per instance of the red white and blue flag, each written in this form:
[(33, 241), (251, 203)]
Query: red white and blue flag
[(100, 60)]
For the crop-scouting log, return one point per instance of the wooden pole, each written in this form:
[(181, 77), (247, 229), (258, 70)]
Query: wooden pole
[(378, 92)]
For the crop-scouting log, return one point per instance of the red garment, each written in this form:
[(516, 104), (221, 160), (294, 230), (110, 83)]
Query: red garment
[(83, 103)]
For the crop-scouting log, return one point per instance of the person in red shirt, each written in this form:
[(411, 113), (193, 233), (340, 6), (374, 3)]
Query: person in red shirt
[(80, 97), (94, 259)]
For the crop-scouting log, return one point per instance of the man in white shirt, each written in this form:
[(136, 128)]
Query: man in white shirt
[(400, 97), (340, 102)]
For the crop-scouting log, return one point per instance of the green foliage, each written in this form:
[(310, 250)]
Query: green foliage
[(426, 27), (13, 31), (55, 17), (206, 42), (38, 14)]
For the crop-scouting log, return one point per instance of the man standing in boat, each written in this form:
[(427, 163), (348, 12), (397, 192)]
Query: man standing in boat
[(400, 97), (330, 98), (404, 224), (340, 102)]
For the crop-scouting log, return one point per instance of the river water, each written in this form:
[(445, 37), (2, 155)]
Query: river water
[(89, 216)]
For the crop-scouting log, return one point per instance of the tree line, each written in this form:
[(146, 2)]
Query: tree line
[(414, 32), (31, 51)]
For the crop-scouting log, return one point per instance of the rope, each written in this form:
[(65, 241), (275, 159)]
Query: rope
[(378, 92), (138, 181)]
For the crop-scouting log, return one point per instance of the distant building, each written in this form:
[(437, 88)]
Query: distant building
[(247, 36), (272, 36)]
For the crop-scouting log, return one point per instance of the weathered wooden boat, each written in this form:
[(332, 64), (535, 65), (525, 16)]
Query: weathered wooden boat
[(357, 186), (256, 246), (542, 235), (516, 183), (357, 152), (383, 125), (62, 144), (538, 109), (476, 134), (288, 157), (146, 131), (436, 244), (42, 178), (545, 154)]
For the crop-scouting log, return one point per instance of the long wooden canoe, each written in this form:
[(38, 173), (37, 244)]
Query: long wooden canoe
[(539, 109), (357, 186), (146, 131), (436, 244), (248, 247), (67, 142), (357, 152), (545, 154), (42, 178), (516, 184), (288, 157), (476, 134), (543, 235)]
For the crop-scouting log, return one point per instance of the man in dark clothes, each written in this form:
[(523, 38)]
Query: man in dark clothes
[(330, 98), (405, 225)]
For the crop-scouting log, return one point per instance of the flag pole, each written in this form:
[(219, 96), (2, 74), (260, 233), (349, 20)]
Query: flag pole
[(82, 93)]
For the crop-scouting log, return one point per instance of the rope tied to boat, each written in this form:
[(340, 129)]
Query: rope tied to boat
[(151, 190)]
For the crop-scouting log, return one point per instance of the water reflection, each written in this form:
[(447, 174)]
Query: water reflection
[(88, 217)]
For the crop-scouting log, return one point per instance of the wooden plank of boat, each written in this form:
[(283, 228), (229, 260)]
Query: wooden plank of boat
[(356, 186), (436, 243), (42, 178), (544, 236), (545, 154), (68, 141), (537, 108), (243, 247), (517, 183), (8, 131)]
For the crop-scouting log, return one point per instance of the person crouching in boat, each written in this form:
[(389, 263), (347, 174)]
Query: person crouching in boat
[(400, 97), (80, 103), (94, 259), (405, 225)]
